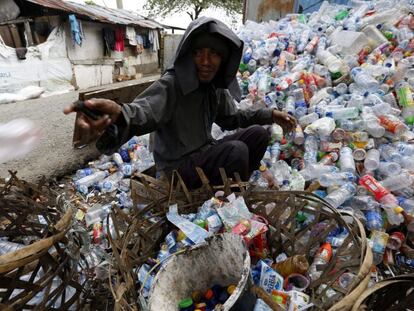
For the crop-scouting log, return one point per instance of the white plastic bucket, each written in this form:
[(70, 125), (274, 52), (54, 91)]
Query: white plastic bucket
[(223, 260)]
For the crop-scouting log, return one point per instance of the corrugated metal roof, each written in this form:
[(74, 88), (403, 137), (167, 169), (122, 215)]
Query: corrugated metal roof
[(99, 13)]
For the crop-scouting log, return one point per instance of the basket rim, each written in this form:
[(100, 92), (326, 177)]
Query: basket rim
[(380, 285), (26, 254)]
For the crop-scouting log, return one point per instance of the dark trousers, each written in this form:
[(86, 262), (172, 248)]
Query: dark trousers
[(240, 152)]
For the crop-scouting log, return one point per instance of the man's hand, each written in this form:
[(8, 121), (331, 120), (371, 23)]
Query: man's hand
[(287, 122), (110, 110)]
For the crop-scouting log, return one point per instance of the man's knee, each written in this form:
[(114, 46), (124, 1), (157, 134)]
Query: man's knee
[(238, 149), (260, 133)]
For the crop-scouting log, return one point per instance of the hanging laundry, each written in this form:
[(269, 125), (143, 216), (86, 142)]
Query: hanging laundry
[(109, 40), (76, 30), (131, 35), (146, 42), (153, 38), (140, 44), (119, 39)]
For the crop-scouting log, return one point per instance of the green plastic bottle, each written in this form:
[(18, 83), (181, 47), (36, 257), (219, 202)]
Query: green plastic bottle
[(342, 14)]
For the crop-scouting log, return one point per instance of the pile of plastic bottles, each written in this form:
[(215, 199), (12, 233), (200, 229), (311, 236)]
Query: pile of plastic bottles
[(286, 279), (346, 73), (103, 184)]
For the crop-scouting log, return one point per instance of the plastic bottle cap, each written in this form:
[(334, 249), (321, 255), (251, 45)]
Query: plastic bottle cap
[(209, 294), (231, 289), (185, 303), (262, 168), (196, 296), (201, 306), (398, 209)]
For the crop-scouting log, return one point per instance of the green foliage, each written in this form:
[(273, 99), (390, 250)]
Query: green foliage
[(192, 7)]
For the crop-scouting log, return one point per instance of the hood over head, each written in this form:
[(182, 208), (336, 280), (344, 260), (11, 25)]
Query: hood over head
[(197, 33)]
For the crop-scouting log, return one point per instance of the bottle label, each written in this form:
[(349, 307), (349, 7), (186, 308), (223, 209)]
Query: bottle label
[(372, 185), (405, 97), (390, 125)]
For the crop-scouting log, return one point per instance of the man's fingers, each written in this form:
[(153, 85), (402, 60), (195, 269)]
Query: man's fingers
[(100, 124), (68, 109), (81, 122), (103, 105)]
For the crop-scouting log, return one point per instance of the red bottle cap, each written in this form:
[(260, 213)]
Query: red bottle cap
[(209, 294)]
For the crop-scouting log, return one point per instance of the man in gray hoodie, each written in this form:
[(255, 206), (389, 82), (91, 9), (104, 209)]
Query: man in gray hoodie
[(197, 91)]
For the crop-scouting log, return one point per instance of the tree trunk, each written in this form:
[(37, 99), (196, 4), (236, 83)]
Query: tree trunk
[(196, 13)]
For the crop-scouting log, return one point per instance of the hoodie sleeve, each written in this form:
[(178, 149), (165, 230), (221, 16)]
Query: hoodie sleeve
[(144, 115), (230, 117)]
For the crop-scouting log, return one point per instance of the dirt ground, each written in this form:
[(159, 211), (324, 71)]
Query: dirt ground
[(54, 156)]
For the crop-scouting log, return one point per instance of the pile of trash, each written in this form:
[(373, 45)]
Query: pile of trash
[(286, 279), (346, 74)]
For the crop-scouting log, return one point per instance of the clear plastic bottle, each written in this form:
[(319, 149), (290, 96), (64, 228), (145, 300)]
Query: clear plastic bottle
[(311, 150), (333, 63), (336, 179), (374, 219), (364, 202), (314, 171), (372, 160), (397, 182), (337, 197), (322, 257), (406, 204), (267, 176), (111, 183), (274, 152), (364, 80), (308, 119), (379, 241), (290, 106), (299, 137), (373, 126), (90, 180), (85, 172), (404, 149), (389, 168), (346, 160), (97, 213), (329, 159), (343, 113), (389, 153), (341, 88), (304, 38), (300, 105), (407, 162), (252, 65)]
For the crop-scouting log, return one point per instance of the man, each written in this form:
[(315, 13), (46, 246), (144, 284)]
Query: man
[(182, 106)]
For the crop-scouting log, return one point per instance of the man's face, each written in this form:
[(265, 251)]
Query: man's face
[(208, 62)]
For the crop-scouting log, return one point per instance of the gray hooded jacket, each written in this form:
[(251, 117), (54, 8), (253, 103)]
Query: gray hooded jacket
[(181, 110)]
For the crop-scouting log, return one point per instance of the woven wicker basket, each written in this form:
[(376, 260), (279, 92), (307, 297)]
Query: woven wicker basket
[(392, 294), (139, 238), (41, 275)]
